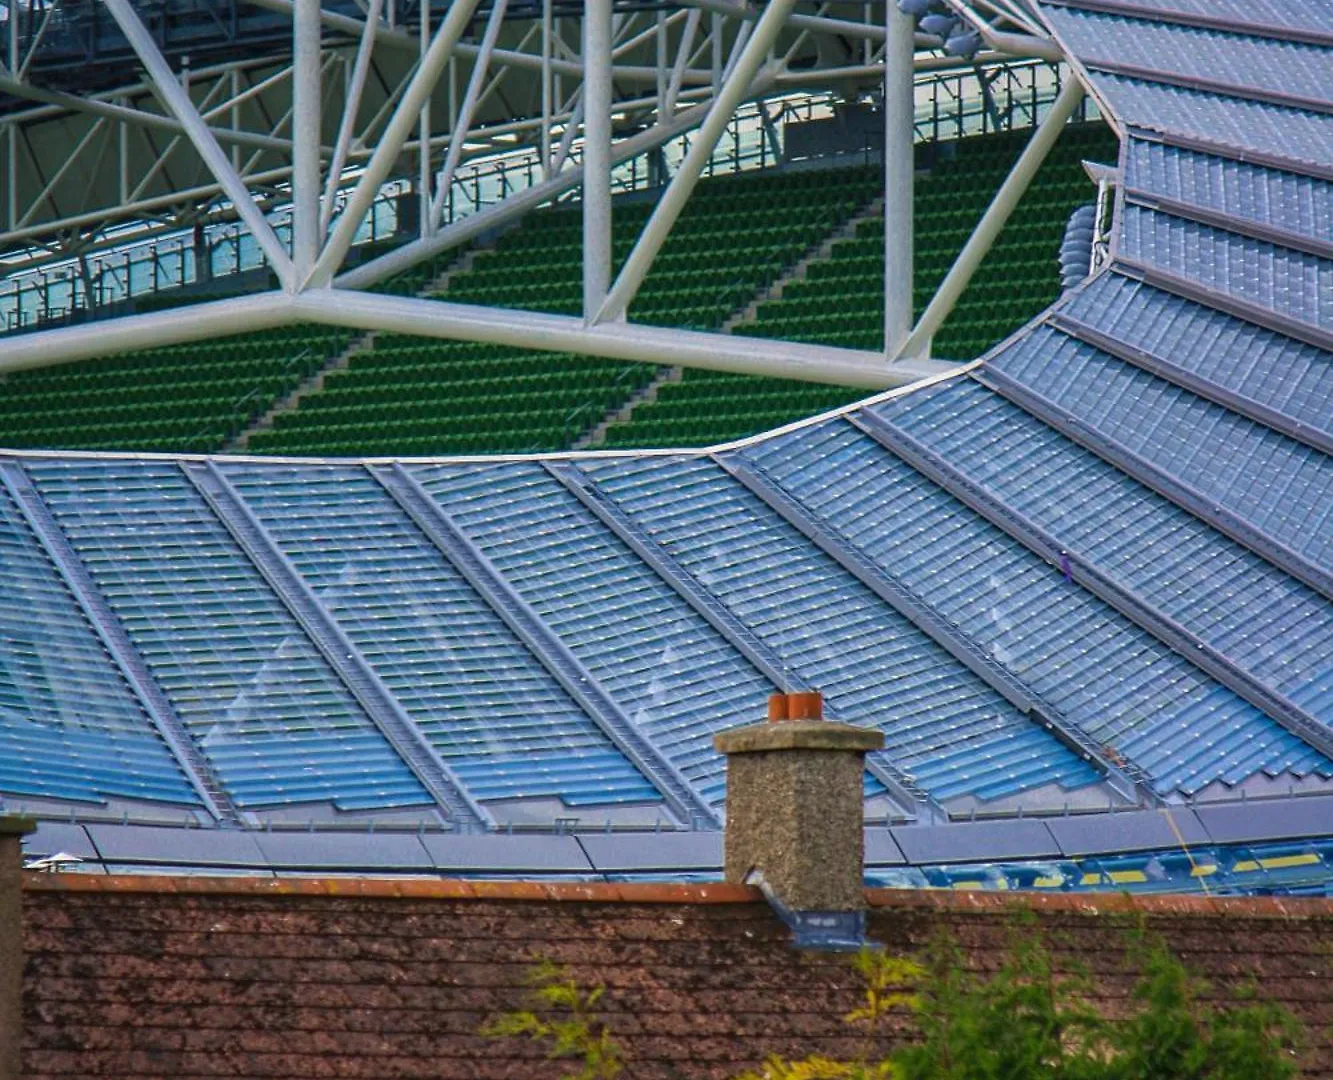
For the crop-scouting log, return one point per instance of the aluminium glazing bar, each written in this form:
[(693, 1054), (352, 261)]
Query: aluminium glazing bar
[(1171, 372), (1127, 781), (342, 655), (544, 644), (1125, 600), (720, 617), (118, 644), (1226, 303), (1186, 496)]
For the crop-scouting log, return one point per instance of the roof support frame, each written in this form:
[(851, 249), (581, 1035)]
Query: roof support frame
[(178, 102), (993, 220), (542, 642), (347, 661), (1127, 781), (121, 648)]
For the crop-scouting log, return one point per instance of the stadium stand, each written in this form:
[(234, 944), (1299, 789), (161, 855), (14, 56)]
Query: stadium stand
[(838, 301)]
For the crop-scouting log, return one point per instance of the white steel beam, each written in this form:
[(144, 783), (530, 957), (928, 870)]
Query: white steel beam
[(673, 200), (597, 98), (620, 341), (178, 103), (459, 130), (391, 142), (899, 169), (993, 220), (351, 106), (306, 126), (194, 322)]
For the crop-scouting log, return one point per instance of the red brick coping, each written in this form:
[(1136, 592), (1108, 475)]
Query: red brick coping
[(599, 892)]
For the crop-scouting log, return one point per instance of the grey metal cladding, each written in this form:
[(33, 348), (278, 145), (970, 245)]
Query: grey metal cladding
[(174, 846), (58, 837), (988, 841), (1247, 192), (1281, 487), (882, 850), (1147, 830), (1291, 283), (1232, 124), (1289, 376), (1235, 59), (498, 853), (1256, 821), (686, 852), (343, 851)]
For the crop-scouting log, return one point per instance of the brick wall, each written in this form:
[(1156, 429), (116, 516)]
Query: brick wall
[(225, 978)]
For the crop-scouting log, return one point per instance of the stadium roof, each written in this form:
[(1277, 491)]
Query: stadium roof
[(1094, 569)]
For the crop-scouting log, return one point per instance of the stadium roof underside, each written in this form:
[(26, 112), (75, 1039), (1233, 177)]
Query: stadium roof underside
[(1093, 570)]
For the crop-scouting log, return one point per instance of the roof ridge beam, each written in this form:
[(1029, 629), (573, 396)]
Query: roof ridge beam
[(350, 665), (1219, 219), (721, 618), (1195, 19), (1126, 601), (1177, 491), (1245, 310), (1210, 86), (481, 574), (1128, 782), (1262, 158), (1244, 406), (116, 640)]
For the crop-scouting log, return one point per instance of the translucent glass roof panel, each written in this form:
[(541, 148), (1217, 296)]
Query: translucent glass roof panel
[(1237, 60), (942, 724), (668, 670), (1230, 123), (489, 708), (1280, 486), (1264, 621), (1294, 378), (1246, 192), (1278, 279), (70, 727), (1278, 14), (1113, 679), (271, 716)]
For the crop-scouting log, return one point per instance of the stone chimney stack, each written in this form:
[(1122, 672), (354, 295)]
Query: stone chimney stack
[(795, 815), (12, 830)]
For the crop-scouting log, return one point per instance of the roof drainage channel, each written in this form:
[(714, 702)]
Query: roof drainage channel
[(337, 648), (1187, 380), (602, 506), (1200, 653), (1185, 496), (118, 644), (1129, 783), (545, 645)]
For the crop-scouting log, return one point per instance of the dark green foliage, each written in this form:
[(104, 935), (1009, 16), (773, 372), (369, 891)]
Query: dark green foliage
[(1031, 1020)]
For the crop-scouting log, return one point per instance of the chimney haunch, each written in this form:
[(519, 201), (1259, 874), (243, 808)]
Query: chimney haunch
[(795, 808)]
